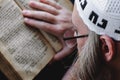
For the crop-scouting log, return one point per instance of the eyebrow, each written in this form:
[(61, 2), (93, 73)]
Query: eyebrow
[(75, 37)]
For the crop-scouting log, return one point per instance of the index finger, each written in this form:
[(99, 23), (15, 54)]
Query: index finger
[(43, 7)]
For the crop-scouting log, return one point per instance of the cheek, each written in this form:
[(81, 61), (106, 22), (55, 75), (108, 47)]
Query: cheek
[(80, 44)]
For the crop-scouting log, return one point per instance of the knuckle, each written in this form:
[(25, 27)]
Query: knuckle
[(60, 29)]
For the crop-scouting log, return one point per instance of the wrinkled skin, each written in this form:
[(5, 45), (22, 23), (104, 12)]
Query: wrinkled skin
[(54, 19)]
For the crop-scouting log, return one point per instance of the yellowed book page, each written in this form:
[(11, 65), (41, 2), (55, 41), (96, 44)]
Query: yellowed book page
[(23, 4), (55, 43), (26, 50)]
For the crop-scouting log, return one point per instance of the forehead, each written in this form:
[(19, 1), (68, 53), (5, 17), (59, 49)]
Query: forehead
[(78, 22)]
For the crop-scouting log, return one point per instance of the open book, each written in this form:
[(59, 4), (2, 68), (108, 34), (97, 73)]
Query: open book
[(24, 51)]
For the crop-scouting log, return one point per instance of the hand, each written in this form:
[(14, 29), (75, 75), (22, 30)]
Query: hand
[(54, 19)]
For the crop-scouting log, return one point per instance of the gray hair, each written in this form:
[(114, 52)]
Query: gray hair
[(90, 59)]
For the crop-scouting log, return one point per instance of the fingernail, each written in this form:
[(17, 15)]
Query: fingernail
[(26, 12), (26, 19), (32, 2)]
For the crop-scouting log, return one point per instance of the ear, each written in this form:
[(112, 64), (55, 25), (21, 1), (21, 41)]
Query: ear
[(108, 47)]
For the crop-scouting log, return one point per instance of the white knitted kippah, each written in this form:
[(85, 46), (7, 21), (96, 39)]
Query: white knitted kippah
[(101, 16)]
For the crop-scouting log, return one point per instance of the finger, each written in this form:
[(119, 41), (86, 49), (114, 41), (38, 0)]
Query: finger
[(40, 15), (50, 28), (65, 52), (52, 3), (69, 33), (43, 7)]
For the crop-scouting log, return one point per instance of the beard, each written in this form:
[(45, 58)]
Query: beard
[(91, 61)]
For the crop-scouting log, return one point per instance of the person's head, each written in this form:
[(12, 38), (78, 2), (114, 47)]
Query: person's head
[(102, 48)]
